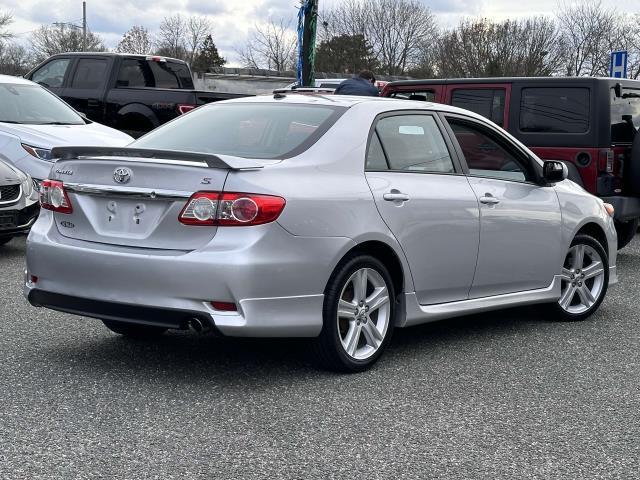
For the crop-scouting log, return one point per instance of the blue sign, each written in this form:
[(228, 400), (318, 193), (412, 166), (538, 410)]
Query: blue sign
[(618, 65)]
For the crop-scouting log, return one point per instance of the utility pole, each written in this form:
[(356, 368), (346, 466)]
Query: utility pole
[(84, 26)]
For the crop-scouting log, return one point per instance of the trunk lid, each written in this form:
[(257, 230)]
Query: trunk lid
[(136, 202)]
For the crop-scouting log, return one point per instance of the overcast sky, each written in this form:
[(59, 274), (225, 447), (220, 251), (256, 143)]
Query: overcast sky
[(232, 19)]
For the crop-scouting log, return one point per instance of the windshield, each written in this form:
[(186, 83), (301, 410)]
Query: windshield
[(625, 115), (251, 130), (34, 105)]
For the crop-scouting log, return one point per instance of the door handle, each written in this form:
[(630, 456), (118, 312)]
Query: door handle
[(489, 199), (396, 196), (93, 102)]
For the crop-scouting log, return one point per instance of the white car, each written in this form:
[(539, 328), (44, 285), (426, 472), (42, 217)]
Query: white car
[(34, 120)]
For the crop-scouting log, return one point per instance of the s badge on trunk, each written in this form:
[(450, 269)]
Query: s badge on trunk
[(122, 175)]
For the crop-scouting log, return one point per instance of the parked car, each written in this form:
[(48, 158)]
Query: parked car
[(33, 121), (315, 216), (18, 202), (133, 93), (587, 123)]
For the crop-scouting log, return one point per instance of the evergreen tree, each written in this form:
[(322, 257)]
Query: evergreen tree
[(208, 57)]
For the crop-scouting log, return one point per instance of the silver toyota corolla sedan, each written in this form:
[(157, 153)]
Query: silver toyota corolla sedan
[(338, 218)]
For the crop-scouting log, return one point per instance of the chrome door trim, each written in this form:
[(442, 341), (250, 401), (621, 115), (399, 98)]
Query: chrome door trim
[(130, 192)]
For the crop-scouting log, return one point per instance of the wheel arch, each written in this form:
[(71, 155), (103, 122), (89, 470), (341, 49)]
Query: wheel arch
[(596, 231)]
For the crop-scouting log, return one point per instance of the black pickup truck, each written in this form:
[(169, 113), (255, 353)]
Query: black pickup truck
[(133, 93)]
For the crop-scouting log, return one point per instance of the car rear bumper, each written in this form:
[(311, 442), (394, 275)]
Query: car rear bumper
[(275, 279), (626, 208), (17, 221)]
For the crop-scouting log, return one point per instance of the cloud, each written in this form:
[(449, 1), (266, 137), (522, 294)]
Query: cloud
[(206, 7)]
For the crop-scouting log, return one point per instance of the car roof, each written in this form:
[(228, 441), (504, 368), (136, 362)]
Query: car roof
[(499, 80), (113, 54), (380, 104), (15, 80)]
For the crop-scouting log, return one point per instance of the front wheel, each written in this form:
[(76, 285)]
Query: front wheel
[(626, 231), (358, 315), (585, 278), (133, 330)]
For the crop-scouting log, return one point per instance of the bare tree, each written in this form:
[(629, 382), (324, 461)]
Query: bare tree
[(586, 33), (136, 40), (14, 59), (482, 48), (198, 28), (397, 30), (270, 46), (49, 40), (6, 19), (172, 37)]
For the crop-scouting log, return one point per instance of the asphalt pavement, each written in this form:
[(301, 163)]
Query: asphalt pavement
[(509, 395)]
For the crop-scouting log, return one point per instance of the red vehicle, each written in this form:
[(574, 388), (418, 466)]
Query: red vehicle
[(588, 123)]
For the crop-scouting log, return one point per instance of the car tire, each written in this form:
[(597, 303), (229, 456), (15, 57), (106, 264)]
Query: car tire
[(357, 326), (626, 231), (5, 240), (585, 278), (133, 330)]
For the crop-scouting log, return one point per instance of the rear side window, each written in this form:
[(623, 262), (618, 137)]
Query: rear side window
[(484, 101), (250, 130), (412, 143), (554, 110), (90, 73), (164, 75), (132, 74)]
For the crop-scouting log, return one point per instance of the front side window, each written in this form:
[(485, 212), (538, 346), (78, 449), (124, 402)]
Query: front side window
[(250, 130), (412, 143), (488, 102), (34, 105), (90, 73), (554, 110), (486, 155), (51, 75)]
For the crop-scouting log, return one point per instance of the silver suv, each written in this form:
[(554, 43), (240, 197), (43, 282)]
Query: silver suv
[(337, 218)]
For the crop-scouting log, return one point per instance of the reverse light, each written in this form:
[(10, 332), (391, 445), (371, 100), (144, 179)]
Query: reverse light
[(609, 209), (41, 153), (231, 209), (185, 108), (54, 197)]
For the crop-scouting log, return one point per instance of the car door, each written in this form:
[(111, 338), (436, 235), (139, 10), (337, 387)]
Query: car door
[(86, 90), (520, 220), (52, 75), (426, 202)]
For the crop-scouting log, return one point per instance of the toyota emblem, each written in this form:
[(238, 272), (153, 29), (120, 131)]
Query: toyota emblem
[(122, 174)]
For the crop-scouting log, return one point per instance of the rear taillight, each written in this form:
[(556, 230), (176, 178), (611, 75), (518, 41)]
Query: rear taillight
[(54, 197), (185, 108), (231, 209)]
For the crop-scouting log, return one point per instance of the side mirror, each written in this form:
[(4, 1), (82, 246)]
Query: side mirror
[(554, 171)]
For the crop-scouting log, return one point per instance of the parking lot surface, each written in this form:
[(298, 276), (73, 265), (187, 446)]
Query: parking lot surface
[(503, 395)]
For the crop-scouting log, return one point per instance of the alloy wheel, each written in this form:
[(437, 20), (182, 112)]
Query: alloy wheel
[(583, 278), (364, 313)]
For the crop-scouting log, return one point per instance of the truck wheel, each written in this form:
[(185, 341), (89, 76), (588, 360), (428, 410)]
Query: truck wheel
[(626, 231)]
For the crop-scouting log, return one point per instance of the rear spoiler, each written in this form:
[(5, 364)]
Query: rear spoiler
[(198, 159)]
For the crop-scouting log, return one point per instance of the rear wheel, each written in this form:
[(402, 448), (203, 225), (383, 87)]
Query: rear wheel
[(626, 232), (5, 240), (358, 315), (585, 277), (133, 330)]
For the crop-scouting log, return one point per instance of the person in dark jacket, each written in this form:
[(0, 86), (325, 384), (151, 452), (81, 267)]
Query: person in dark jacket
[(362, 84)]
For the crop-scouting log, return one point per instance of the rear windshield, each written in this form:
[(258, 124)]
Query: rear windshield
[(554, 110), (625, 115), (251, 130)]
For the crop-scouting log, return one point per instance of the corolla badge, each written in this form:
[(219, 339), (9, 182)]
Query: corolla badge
[(122, 175)]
